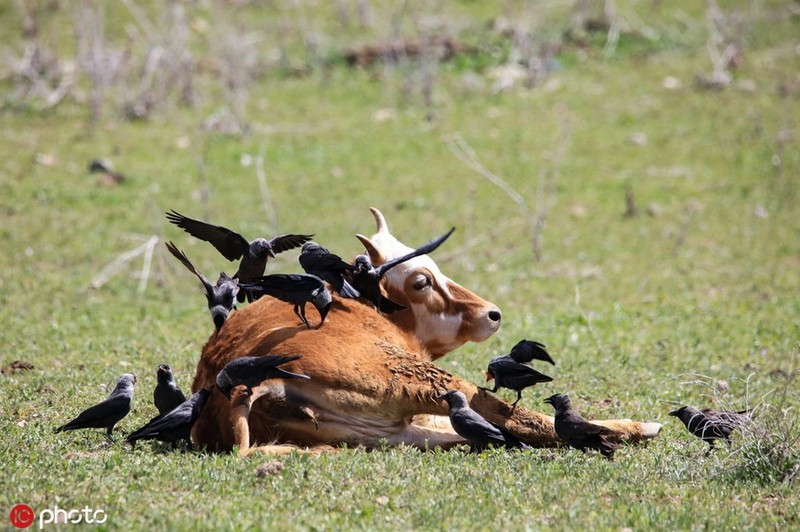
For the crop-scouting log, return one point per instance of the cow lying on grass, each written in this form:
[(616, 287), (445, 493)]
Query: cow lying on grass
[(372, 376)]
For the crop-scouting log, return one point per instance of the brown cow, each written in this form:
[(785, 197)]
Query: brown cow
[(372, 376)]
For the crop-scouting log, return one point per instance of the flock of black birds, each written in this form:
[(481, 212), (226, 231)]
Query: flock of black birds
[(176, 414), (358, 280), (514, 371)]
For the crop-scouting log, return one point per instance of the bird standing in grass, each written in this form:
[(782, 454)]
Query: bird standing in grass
[(253, 370), (107, 413), (709, 425), (233, 246), (473, 427), (294, 288), (221, 297), (366, 278), (578, 432), (166, 395), (317, 260), (175, 425)]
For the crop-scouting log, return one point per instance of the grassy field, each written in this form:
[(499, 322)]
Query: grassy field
[(652, 242)]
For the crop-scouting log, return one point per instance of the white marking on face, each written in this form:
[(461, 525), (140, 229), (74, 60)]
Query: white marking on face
[(439, 328)]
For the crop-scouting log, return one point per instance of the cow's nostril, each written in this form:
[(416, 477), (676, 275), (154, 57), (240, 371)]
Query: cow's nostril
[(495, 315)]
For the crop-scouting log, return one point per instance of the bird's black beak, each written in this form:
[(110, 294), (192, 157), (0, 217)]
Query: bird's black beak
[(440, 397), (549, 400), (674, 413)]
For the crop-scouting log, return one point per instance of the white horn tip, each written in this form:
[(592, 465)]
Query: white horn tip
[(380, 221)]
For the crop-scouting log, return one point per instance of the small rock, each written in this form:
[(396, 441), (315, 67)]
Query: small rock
[(18, 366), (270, 468)]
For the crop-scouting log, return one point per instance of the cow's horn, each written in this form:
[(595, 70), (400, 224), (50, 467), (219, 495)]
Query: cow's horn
[(380, 221), (375, 256)]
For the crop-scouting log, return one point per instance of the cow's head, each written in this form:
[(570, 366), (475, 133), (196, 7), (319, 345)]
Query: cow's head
[(441, 313)]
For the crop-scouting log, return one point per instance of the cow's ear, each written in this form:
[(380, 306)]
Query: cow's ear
[(375, 255)]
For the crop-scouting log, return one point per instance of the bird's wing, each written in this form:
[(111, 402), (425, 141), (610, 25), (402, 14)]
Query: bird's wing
[(176, 416), (231, 244), (422, 250), (281, 285), (113, 406), (575, 427), (511, 368), (470, 425), (285, 242), (529, 350), (181, 256)]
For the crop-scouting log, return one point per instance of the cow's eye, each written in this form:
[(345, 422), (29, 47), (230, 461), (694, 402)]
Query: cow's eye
[(422, 282)]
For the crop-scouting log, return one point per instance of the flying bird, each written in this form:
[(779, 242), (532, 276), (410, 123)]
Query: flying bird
[(253, 370), (109, 412), (576, 431), (508, 373), (221, 297), (166, 395), (526, 351), (295, 288), (176, 424), (366, 278), (709, 425), (473, 427), (233, 246), (317, 260)]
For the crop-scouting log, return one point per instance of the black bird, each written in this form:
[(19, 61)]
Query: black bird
[(508, 373), (526, 351), (709, 425), (329, 267), (295, 288), (473, 427), (176, 424), (367, 278), (109, 412), (166, 395), (253, 370), (578, 432), (234, 246), (221, 297)]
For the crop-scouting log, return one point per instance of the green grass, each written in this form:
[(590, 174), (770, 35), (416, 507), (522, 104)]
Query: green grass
[(640, 313)]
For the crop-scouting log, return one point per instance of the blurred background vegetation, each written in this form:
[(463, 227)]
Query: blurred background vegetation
[(623, 175)]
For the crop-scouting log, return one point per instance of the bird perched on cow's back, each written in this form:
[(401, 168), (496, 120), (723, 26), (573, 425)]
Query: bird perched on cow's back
[(329, 267), (166, 394), (109, 412), (526, 351), (366, 278), (508, 373), (578, 432), (234, 246), (470, 425), (175, 425), (294, 288), (253, 370), (221, 297), (709, 425)]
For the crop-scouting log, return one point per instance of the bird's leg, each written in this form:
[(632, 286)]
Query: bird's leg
[(493, 390), (301, 313), (519, 396), (109, 435)]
